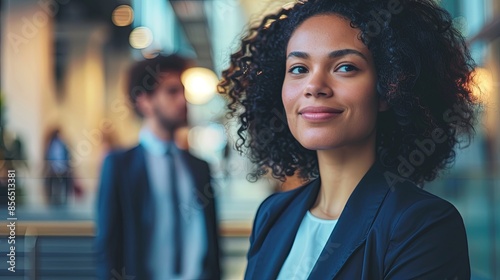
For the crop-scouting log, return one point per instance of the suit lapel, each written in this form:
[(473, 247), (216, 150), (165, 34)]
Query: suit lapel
[(353, 225), (141, 192), (141, 206), (201, 184), (279, 241)]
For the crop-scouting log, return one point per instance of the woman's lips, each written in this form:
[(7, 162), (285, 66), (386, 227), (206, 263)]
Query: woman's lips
[(319, 113)]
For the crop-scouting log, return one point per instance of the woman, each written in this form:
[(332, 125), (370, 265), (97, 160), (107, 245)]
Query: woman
[(376, 95)]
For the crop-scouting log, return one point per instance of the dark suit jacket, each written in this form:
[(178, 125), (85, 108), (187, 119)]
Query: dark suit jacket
[(401, 232), (125, 215)]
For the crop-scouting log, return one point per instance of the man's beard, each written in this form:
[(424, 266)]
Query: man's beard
[(169, 124)]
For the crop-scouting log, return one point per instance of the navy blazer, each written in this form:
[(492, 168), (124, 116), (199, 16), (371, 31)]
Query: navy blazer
[(401, 232), (125, 215)]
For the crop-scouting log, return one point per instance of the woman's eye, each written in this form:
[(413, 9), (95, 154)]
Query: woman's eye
[(347, 68), (297, 70)]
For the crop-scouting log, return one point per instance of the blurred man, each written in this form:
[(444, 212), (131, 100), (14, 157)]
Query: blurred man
[(156, 215)]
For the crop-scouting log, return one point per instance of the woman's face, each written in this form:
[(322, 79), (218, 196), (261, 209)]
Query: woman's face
[(329, 88)]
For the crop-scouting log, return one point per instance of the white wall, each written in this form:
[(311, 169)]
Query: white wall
[(26, 81)]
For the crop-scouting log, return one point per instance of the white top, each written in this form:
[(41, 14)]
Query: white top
[(310, 240), (193, 222)]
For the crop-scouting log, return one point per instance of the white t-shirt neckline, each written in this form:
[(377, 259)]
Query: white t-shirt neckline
[(320, 220), (312, 236)]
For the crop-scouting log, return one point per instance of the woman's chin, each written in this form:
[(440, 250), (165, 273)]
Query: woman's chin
[(317, 144)]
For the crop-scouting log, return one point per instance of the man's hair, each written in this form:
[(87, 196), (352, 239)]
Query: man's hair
[(424, 73), (143, 75)]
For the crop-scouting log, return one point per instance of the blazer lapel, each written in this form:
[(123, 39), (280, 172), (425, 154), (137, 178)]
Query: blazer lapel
[(353, 225), (141, 191), (140, 205), (279, 241), (194, 169)]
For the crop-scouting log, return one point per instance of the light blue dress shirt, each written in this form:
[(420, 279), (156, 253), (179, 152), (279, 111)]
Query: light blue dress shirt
[(193, 221)]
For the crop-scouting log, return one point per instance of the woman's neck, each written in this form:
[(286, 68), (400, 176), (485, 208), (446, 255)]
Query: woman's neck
[(340, 172)]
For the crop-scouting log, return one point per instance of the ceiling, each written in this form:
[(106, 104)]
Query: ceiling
[(191, 15)]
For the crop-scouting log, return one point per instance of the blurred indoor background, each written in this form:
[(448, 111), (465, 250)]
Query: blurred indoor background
[(63, 70)]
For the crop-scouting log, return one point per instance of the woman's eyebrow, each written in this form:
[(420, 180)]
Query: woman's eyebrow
[(297, 54), (333, 54), (345, 52)]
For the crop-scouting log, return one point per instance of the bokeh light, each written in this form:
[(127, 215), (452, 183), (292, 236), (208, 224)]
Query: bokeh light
[(207, 139), (122, 15), (200, 85), (150, 53), (141, 37), (483, 84)]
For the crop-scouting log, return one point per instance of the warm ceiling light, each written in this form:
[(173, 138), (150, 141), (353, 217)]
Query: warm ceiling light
[(141, 37), (200, 85), (123, 15), (150, 54), (483, 84)]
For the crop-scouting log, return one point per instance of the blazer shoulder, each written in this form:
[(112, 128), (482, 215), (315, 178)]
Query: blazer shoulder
[(275, 203), (280, 199), (114, 163), (426, 232), (193, 159), (408, 195), (125, 157), (416, 206), (122, 153)]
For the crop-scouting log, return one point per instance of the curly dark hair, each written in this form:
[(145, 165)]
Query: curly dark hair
[(424, 73), (143, 75)]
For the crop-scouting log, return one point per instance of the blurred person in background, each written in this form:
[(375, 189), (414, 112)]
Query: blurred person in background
[(59, 183), (373, 111), (156, 216), (12, 160)]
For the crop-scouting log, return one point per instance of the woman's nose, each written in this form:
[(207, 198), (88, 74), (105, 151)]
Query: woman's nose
[(318, 85)]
